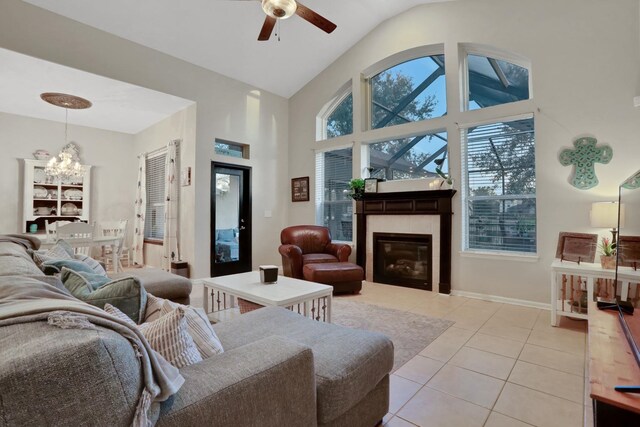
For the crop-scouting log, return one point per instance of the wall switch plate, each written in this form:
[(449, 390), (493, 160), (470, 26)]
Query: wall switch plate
[(636, 101), (267, 214)]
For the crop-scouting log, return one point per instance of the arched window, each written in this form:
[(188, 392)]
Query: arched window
[(492, 81), (340, 121), (498, 156), (408, 92), (336, 117)]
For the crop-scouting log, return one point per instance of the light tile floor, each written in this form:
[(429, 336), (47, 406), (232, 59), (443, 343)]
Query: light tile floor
[(498, 365)]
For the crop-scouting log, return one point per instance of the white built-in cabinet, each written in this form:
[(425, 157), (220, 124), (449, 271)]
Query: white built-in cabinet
[(46, 199)]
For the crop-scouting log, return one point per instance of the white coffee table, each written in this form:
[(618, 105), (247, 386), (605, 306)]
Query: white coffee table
[(307, 298)]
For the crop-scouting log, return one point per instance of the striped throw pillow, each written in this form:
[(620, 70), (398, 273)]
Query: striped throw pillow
[(199, 327), (92, 263), (153, 308), (120, 315), (56, 252), (169, 336)]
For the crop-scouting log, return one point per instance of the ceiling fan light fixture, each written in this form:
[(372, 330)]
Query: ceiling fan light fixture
[(280, 9)]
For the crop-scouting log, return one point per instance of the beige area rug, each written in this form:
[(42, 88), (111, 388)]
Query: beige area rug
[(410, 332)]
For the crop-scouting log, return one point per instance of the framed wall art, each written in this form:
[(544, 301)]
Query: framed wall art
[(300, 189)]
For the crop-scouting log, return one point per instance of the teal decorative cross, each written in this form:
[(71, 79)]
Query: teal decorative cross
[(583, 157), (633, 182)]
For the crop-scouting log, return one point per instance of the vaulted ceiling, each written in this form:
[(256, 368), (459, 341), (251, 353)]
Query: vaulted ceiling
[(221, 35)]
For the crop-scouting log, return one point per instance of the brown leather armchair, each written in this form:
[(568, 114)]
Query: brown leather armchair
[(308, 244)]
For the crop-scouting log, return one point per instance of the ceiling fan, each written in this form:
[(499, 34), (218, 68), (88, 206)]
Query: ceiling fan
[(283, 9)]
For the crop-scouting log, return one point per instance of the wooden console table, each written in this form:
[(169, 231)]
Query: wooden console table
[(588, 272), (611, 363)]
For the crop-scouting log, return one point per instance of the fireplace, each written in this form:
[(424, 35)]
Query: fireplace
[(403, 259), (396, 210)]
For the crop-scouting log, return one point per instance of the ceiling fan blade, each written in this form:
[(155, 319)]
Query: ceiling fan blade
[(267, 28), (319, 21)]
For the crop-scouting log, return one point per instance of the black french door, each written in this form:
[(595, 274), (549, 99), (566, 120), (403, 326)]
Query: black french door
[(230, 219)]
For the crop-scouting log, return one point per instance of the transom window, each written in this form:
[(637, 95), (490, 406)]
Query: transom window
[(494, 82), (409, 158), (500, 187), (408, 92)]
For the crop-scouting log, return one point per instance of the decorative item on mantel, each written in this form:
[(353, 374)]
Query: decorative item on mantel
[(356, 189), (583, 158), (446, 177)]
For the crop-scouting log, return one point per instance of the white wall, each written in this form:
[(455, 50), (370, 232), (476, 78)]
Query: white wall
[(110, 153), (584, 56), (226, 109)]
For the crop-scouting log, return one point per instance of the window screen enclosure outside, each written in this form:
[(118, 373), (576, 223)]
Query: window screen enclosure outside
[(231, 149), (500, 187), (494, 82), (154, 216), (408, 92), (334, 209), (409, 158), (340, 120)]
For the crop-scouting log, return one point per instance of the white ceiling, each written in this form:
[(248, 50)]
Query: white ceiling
[(117, 106), (221, 35)]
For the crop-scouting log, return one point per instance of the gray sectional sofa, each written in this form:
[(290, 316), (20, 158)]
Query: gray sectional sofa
[(278, 369)]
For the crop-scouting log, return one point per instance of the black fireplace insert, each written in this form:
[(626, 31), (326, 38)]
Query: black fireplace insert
[(403, 259)]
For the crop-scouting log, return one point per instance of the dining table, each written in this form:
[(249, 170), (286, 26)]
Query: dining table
[(112, 241)]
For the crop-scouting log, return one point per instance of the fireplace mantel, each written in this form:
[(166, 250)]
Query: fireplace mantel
[(436, 202)]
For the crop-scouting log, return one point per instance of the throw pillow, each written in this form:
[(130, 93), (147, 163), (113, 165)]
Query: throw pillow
[(82, 279), (154, 306), (71, 264), (199, 327), (120, 315), (126, 293), (92, 263), (58, 251), (168, 336)]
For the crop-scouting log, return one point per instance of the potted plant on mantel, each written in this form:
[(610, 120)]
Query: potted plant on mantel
[(608, 257), (356, 189)]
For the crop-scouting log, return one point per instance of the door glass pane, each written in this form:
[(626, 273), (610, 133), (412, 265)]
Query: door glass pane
[(227, 218)]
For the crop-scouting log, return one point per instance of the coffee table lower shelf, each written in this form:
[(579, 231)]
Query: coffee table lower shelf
[(229, 296)]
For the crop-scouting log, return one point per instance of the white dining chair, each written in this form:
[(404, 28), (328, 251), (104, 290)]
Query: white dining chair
[(78, 234), (114, 229), (51, 228)]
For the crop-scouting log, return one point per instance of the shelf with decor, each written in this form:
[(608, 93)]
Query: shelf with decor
[(50, 199)]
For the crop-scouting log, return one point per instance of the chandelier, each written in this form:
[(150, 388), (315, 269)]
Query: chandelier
[(66, 166)]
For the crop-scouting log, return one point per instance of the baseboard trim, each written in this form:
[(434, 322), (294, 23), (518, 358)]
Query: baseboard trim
[(505, 300)]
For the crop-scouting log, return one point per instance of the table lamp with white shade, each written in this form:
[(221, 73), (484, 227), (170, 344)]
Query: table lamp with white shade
[(605, 215)]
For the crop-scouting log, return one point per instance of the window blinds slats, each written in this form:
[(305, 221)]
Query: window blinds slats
[(333, 208), (500, 187), (154, 219)]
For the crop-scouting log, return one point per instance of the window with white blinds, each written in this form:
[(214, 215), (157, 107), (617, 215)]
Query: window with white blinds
[(333, 208), (499, 194), (154, 219)]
